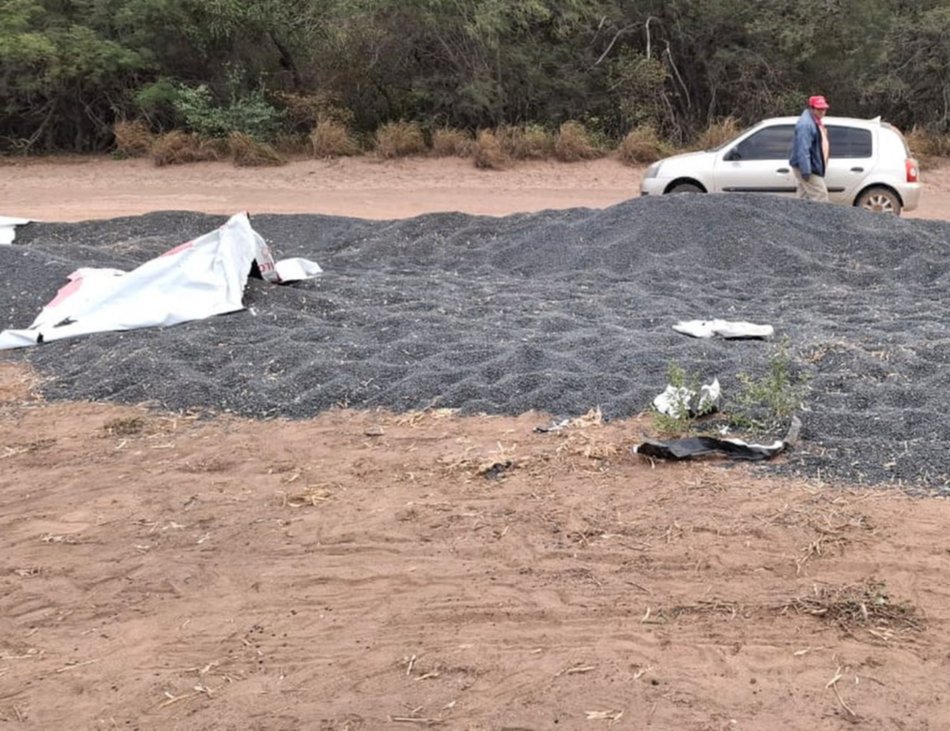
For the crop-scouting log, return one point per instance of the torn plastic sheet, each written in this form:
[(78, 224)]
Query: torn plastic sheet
[(699, 446), (735, 449), (8, 226), (724, 329), (198, 279), (677, 400), (555, 426)]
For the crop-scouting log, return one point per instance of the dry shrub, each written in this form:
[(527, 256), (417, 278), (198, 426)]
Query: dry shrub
[(332, 139), (400, 139), (531, 142), (304, 109), (718, 133), (248, 152), (928, 147), (489, 153), (178, 147), (574, 143), (449, 142), (133, 139), (641, 145), (292, 144)]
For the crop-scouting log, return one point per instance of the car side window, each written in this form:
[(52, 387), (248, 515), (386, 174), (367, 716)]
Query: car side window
[(849, 142), (771, 143)]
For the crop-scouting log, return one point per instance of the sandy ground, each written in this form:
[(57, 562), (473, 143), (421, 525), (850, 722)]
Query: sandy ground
[(82, 188), (376, 571)]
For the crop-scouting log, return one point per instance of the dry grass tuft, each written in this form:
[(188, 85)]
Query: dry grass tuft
[(133, 139), (582, 436), (574, 143), (311, 496), (450, 142), (292, 144), (400, 139), (718, 133), (332, 139), (642, 145), (124, 426), (416, 418), (531, 142), (178, 147), (489, 153), (248, 152), (866, 606)]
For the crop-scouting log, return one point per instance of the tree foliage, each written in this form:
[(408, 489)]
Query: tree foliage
[(70, 68)]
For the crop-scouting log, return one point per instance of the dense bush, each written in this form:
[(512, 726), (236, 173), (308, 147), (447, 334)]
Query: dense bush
[(249, 115), (70, 71)]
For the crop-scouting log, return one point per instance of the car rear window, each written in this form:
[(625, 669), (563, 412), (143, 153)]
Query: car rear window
[(849, 141)]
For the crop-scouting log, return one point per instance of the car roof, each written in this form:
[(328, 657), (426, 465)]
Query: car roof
[(851, 121)]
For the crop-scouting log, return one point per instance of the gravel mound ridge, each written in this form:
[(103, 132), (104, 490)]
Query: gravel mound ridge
[(558, 311)]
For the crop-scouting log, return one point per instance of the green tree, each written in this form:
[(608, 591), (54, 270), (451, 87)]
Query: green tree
[(60, 80)]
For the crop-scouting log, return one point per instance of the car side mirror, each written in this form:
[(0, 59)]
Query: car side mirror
[(733, 155)]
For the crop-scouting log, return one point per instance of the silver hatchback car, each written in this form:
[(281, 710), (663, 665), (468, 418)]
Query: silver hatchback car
[(869, 165)]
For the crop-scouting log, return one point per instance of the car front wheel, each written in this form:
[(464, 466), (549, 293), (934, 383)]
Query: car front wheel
[(879, 200), (686, 188)]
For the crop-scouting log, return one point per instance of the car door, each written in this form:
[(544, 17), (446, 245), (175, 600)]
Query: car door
[(850, 160), (757, 163)]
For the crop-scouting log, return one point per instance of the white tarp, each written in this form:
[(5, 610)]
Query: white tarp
[(8, 226), (198, 279), (724, 329)]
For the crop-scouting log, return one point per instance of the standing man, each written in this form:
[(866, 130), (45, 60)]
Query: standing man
[(810, 151)]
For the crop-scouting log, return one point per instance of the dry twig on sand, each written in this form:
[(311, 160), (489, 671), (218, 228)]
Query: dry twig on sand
[(866, 605)]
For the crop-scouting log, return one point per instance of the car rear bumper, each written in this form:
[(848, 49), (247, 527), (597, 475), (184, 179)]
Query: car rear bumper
[(910, 195)]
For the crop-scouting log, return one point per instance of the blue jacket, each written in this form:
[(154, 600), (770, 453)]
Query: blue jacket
[(806, 147)]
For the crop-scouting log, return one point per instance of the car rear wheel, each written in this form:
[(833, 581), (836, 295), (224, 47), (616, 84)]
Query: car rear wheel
[(685, 188), (879, 200)]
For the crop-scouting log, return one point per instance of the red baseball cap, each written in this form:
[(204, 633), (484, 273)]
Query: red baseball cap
[(817, 102)]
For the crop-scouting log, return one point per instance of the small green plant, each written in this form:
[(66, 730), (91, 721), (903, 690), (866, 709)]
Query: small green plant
[(764, 404)]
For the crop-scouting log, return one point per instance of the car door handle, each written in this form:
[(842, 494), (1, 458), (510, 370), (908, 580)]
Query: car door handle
[(857, 170), (782, 170)]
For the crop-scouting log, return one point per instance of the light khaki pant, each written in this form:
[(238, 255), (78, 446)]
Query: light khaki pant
[(813, 189)]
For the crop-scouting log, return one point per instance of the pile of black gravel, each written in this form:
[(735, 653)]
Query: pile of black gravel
[(558, 311)]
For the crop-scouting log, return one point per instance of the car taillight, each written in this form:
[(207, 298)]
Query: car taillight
[(913, 172)]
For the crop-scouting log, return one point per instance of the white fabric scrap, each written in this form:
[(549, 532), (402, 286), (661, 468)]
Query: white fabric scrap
[(723, 328), (199, 279), (676, 401), (8, 226)]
